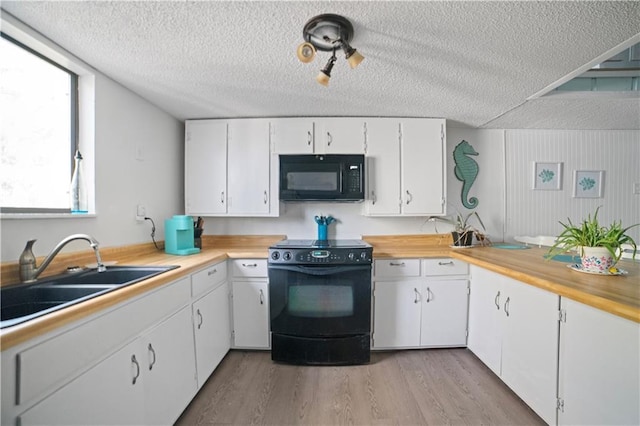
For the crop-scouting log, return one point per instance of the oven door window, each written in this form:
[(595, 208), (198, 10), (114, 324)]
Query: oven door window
[(320, 301)]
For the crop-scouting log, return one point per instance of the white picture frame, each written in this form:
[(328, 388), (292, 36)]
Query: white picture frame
[(588, 183), (547, 176)]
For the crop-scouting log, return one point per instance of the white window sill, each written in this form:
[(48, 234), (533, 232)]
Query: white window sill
[(4, 216)]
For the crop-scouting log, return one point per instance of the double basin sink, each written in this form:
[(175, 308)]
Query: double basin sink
[(23, 302)]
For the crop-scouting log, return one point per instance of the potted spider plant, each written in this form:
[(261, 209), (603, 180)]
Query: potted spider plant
[(463, 231), (599, 247)]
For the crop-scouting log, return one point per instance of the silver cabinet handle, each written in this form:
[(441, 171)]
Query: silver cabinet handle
[(446, 263), (396, 263), (152, 352), (265, 197), (506, 306), (222, 197), (329, 139), (409, 197), (417, 299), (497, 301), (250, 265), (429, 298), (373, 197), (261, 297), (212, 272), (309, 137), (134, 361), (199, 317)]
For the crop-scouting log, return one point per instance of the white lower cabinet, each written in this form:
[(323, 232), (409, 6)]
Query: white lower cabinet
[(416, 306), (251, 314), (513, 329), (599, 374), (250, 304), (168, 369), (149, 381), (212, 330), (104, 395)]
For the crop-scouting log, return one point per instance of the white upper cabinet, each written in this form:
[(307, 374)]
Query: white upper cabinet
[(318, 135), (422, 143), (205, 167), (383, 166), (292, 135), (339, 136), (406, 167), (229, 169), (249, 165)]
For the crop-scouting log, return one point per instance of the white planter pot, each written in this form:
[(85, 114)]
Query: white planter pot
[(596, 259)]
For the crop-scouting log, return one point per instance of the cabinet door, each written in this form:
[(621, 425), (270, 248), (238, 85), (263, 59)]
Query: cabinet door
[(292, 135), (396, 322), (212, 331), (422, 163), (206, 167), (249, 165), (485, 317), (168, 368), (599, 379), (383, 167), (107, 394), (251, 314), (444, 313), (530, 345), (339, 136)]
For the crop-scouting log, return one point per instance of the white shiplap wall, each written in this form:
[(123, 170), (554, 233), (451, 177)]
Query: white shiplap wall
[(536, 212)]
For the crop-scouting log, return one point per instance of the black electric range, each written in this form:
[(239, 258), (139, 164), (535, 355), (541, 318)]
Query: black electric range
[(320, 301)]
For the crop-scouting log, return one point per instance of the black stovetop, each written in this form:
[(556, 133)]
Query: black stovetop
[(302, 244)]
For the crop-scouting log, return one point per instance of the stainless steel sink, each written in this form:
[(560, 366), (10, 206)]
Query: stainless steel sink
[(23, 302)]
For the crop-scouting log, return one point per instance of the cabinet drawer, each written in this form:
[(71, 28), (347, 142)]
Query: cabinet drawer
[(445, 266), (208, 278), (396, 268), (249, 267)]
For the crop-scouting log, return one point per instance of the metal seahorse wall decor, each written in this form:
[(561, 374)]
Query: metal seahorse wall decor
[(466, 170)]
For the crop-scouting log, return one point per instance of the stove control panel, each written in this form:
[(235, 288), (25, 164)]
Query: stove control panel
[(317, 256)]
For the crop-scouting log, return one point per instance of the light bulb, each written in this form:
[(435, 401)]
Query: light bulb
[(306, 52), (355, 58)]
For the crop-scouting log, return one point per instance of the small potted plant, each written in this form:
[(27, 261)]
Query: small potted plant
[(463, 231), (599, 247)]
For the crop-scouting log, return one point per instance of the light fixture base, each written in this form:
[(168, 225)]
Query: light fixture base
[(327, 31)]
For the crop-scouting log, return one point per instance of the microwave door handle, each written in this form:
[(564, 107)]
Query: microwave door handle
[(320, 271)]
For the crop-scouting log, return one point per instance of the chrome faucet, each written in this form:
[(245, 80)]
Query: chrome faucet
[(28, 269)]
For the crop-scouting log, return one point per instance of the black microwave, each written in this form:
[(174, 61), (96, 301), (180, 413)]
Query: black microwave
[(331, 177)]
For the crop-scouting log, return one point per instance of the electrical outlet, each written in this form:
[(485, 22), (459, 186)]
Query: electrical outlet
[(141, 212)]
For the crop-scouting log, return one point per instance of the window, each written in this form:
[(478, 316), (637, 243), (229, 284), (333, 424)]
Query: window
[(38, 106)]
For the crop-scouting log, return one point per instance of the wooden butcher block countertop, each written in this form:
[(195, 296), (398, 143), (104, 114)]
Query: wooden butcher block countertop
[(215, 249), (619, 295)]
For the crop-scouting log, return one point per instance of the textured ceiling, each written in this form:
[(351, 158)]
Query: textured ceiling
[(473, 63)]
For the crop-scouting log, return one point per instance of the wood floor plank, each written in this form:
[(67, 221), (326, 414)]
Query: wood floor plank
[(415, 387)]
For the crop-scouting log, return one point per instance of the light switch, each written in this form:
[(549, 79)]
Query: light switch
[(636, 188)]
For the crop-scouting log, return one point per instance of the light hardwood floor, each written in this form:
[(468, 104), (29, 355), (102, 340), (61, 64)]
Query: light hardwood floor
[(414, 387)]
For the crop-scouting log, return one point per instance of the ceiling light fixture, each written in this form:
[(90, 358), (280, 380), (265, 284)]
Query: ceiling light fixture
[(327, 33)]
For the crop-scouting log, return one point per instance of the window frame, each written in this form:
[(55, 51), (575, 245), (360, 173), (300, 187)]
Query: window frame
[(45, 52)]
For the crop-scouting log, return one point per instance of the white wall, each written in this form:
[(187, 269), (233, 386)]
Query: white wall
[(536, 212), (124, 124)]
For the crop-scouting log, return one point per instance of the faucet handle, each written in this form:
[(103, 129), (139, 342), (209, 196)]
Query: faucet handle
[(27, 257)]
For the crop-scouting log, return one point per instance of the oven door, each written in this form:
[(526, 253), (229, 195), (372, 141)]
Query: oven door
[(320, 301)]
